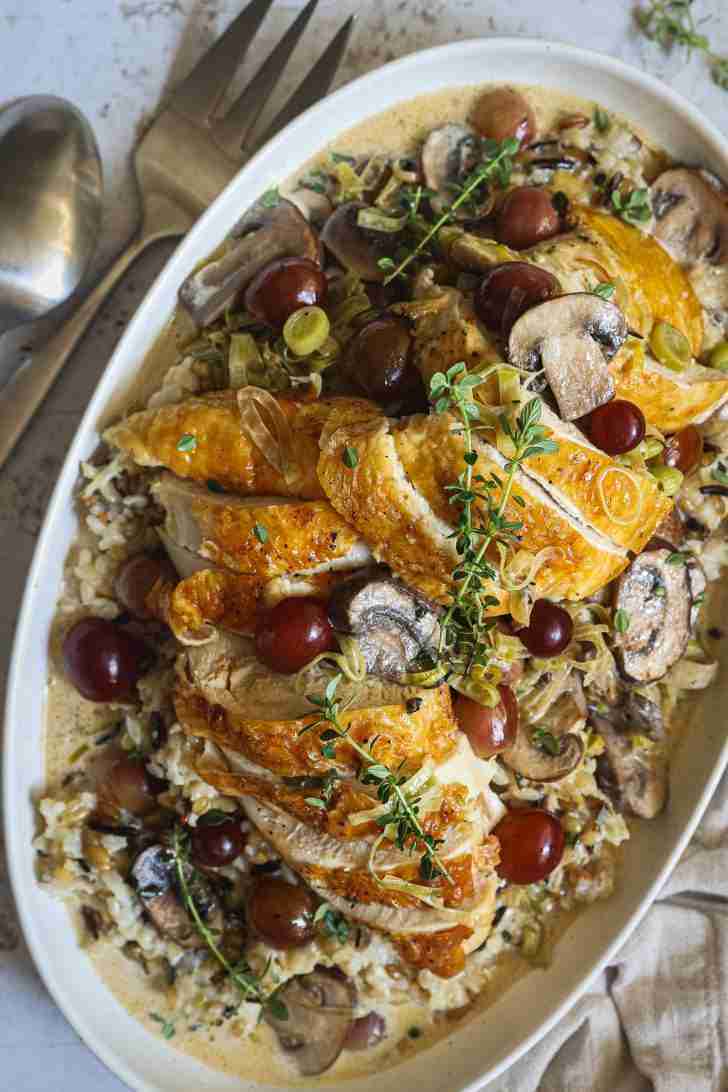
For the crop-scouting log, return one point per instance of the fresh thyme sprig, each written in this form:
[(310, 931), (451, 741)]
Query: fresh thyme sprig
[(498, 163), (464, 627), (670, 23), (240, 973), (402, 816)]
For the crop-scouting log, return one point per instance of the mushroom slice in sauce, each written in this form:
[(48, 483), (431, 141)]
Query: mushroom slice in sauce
[(691, 217), (358, 249), (636, 779), (449, 154), (264, 234), (154, 874), (392, 624), (654, 594), (572, 338), (319, 1014), (548, 750)]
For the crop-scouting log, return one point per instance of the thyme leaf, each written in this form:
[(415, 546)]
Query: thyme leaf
[(672, 23)]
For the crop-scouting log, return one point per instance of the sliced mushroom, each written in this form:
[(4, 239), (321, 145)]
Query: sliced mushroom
[(314, 205), (393, 625), (635, 778), (691, 217), (356, 248), (643, 715), (154, 875), (448, 156), (572, 338), (548, 750), (654, 594), (265, 233), (319, 1012)]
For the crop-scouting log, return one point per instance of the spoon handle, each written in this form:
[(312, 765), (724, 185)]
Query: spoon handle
[(23, 394)]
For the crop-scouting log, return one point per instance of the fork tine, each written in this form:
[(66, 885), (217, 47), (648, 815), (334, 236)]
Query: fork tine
[(314, 86), (231, 131), (199, 93)]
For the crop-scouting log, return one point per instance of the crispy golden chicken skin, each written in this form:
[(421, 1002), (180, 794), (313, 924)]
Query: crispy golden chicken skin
[(219, 450)]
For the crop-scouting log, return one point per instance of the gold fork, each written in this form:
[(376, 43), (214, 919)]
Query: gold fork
[(183, 161)]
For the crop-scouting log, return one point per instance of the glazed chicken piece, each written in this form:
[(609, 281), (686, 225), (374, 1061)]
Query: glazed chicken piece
[(255, 720), (202, 438), (397, 498), (220, 528)]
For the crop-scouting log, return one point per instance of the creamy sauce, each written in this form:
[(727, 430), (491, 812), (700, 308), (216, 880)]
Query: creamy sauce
[(73, 722)]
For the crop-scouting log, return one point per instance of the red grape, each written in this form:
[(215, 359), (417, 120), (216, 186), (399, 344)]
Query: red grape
[(102, 660), (378, 359), (531, 845), (283, 287), (616, 427), (489, 730), (526, 217), (281, 912), (503, 112), (549, 630), (292, 632), (509, 289), (217, 844), (128, 784), (684, 449)]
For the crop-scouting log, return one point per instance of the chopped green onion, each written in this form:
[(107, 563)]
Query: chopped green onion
[(306, 330), (670, 346), (621, 620), (243, 354), (719, 357), (669, 479), (374, 220)]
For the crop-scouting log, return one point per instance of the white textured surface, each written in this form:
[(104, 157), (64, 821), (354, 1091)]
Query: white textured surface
[(114, 58)]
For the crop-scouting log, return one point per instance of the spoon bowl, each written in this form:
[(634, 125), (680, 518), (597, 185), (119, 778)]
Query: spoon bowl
[(50, 205)]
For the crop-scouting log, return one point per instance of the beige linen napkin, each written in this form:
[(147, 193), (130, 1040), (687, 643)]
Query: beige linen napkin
[(657, 1018)]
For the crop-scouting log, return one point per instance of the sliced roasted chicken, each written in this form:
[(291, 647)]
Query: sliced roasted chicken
[(203, 439), (225, 694), (265, 536), (397, 498)]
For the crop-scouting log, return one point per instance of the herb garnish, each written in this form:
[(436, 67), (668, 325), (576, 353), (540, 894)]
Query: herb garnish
[(240, 973), (167, 1025), (187, 442), (670, 23), (400, 822), (498, 162), (270, 198), (260, 532), (333, 923), (350, 458), (546, 742), (464, 626), (621, 620), (635, 208), (605, 290)]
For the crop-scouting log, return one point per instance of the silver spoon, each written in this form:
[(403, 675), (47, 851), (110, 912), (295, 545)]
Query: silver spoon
[(50, 208)]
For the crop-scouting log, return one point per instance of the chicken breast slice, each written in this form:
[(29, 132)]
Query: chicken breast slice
[(298, 536), (408, 520), (202, 439)]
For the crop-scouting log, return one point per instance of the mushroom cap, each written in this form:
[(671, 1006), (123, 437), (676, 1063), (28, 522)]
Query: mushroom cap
[(355, 248), (265, 233), (448, 155), (319, 1015), (655, 595), (393, 624), (572, 337), (527, 758), (154, 874), (691, 217), (636, 781)]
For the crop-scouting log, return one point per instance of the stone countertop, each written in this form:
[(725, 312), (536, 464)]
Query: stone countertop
[(114, 58)]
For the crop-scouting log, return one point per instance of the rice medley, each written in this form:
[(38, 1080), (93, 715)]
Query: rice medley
[(579, 695)]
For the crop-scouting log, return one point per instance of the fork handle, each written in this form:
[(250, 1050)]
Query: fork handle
[(25, 391)]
